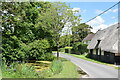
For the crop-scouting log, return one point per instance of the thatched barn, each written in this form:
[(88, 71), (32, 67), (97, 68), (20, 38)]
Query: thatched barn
[(88, 38), (104, 45)]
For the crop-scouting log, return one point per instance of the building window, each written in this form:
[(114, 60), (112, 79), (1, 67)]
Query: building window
[(102, 52), (94, 51)]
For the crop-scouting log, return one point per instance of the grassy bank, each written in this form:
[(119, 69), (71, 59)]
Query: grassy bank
[(69, 71), (117, 68), (0, 74), (61, 68), (92, 60)]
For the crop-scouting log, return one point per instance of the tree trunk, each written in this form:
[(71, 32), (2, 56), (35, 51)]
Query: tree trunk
[(57, 51)]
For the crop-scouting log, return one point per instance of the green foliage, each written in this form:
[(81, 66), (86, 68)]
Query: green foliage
[(48, 56), (22, 70), (79, 48), (65, 40), (46, 73), (28, 32), (56, 66), (26, 71), (80, 32), (15, 70), (68, 47), (38, 48), (62, 49), (25, 33), (69, 71)]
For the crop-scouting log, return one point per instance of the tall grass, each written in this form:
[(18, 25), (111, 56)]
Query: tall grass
[(56, 66), (18, 71), (22, 70)]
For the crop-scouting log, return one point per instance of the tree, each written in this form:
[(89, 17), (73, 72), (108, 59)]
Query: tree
[(22, 28), (64, 40), (80, 31), (31, 29), (59, 14)]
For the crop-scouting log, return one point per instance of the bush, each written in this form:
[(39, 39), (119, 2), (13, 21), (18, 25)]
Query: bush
[(26, 71), (16, 70), (79, 48), (33, 50), (47, 56), (68, 49), (62, 49), (23, 70), (88, 56), (56, 66)]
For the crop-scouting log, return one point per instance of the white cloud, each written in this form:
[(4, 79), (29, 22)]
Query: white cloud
[(96, 21), (76, 9), (110, 10), (113, 17), (115, 10), (96, 28), (66, 29), (101, 27), (98, 11)]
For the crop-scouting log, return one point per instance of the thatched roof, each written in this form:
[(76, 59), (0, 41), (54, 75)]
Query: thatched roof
[(88, 37), (108, 39)]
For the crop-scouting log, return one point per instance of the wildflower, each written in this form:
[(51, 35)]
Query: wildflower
[(14, 70)]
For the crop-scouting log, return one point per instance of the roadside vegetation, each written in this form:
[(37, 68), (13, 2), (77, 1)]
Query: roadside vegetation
[(84, 56), (31, 70), (118, 67), (69, 70), (31, 31), (41, 69)]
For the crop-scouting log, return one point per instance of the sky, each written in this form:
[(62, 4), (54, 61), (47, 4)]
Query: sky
[(88, 10), (81, 0)]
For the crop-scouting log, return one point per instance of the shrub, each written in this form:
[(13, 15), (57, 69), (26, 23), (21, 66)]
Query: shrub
[(62, 49), (68, 49), (16, 70), (38, 48), (47, 56), (26, 71), (33, 50), (88, 56), (56, 66), (79, 48)]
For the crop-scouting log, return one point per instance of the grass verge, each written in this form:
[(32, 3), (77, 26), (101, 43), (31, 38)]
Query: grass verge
[(117, 68), (69, 70), (61, 68), (92, 60)]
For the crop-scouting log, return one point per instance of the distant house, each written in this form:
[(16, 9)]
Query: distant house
[(88, 38), (104, 45)]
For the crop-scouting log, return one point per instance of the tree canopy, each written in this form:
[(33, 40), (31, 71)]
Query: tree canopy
[(30, 30)]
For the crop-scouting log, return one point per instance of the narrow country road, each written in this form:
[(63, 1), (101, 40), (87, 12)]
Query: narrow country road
[(94, 70)]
